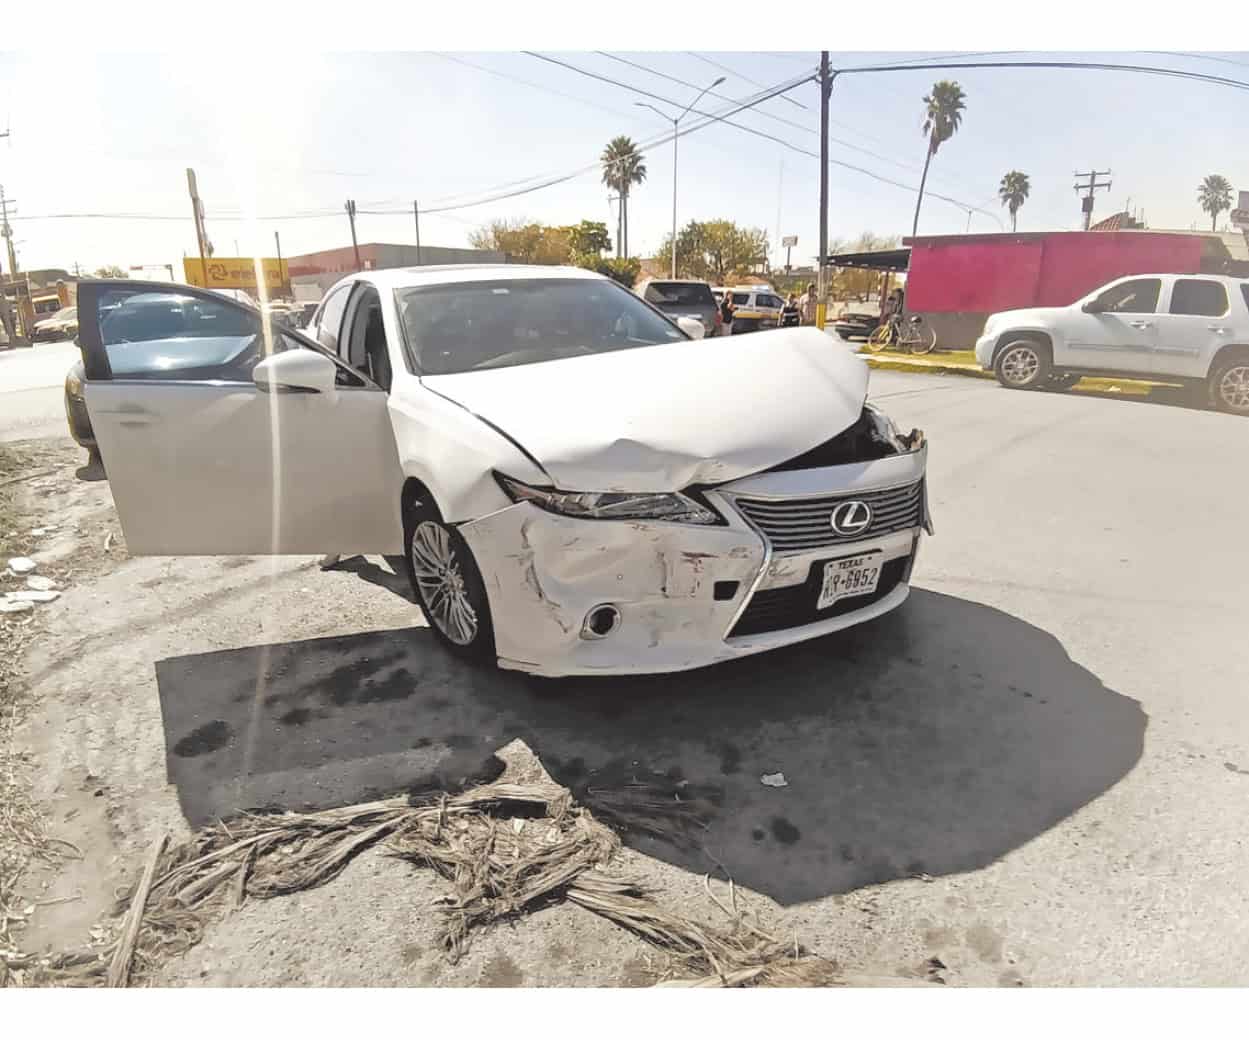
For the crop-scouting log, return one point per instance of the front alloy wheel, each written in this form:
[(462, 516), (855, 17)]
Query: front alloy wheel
[(1022, 365), (448, 585)]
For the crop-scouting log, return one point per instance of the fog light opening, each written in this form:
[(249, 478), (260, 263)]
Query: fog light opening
[(600, 622)]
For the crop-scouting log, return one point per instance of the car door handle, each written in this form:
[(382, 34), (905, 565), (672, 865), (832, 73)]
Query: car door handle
[(1217, 328), (1141, 324)]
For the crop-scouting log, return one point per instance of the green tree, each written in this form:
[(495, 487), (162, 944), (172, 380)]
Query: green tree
[(524, 241), (1013, 191), (590, 237), (623, 167), (1215, 195), (943, 114), (111, 271), (717, 250)]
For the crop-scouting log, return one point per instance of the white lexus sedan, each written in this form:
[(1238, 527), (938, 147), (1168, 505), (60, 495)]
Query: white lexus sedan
[(578, 485)]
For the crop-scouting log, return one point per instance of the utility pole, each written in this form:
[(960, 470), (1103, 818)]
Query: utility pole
[(351, 216), (1086, 201), (826, 90), (277, 241), (7, 231), (416, 216), (197, 209)]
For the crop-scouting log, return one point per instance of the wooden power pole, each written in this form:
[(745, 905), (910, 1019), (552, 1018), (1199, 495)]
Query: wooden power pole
[(1086, 201), (826, 90), (351, 216)]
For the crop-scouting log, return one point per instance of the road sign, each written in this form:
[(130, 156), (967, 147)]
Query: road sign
[(1240, 219), (789, 241)]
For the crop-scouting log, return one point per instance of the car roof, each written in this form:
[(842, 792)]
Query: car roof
[(1229, 279)]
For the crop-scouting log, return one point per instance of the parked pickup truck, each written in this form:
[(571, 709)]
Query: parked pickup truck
[(1171, 327)]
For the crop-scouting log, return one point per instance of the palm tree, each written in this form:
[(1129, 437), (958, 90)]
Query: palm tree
[(1013, 191), (623, 166), (1215, 195), (942, 117)]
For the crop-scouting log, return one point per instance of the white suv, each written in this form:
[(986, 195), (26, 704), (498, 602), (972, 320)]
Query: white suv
[(1193, 328)]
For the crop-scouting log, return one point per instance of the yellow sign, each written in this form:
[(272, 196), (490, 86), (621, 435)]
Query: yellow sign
[(238, 272)]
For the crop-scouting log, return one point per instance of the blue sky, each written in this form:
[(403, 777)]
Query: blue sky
[(301, 133)]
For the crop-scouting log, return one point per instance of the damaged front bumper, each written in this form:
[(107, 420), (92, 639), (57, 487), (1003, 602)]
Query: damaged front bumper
[(685, 595)]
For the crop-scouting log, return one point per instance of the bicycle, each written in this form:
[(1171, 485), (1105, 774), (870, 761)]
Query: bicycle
[(914, 335)]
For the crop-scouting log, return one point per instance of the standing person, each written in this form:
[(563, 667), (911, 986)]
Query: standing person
[(790, 314), (727, 307), (809, 301)]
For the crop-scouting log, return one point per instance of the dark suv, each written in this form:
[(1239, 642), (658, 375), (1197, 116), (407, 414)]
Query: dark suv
[(679, 298)]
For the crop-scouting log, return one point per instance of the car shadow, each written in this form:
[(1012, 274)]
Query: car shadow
[(393, 580), (931, 741)]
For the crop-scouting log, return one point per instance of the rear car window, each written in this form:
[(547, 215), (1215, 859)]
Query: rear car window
[(1244, 291), (681, 294), (741, 298), (768, 300), (1200, 297)]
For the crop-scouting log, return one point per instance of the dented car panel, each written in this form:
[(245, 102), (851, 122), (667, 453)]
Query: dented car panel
[(664, 418), (546, 573)]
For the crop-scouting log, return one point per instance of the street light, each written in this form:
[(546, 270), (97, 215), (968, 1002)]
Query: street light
[(675, 122)]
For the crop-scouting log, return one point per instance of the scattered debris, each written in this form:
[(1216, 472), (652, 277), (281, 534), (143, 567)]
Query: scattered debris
[(934, 966), (496, 869), (108, 541), (39, 532), (773, 780), (20, 565), (39, 583), (15, 606)]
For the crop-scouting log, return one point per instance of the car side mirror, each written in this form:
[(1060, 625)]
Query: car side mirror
[(692, 327), (1091, 307), (296, 371)]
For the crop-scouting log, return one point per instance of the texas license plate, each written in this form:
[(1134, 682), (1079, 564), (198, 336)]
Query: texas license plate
[(854, 576)]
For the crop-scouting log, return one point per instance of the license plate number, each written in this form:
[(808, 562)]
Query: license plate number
[(856, 576)]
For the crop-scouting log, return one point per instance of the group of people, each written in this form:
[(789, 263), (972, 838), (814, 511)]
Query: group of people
[(797, 310)]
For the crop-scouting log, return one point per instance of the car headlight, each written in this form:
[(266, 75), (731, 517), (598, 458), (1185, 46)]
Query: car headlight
[(73, 384), (610, 505)]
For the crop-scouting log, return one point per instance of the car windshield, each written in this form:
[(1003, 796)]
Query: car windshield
[(680, 294), (467, 326)]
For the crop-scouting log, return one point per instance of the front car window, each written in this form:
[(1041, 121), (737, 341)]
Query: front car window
[(331, 319), (741, 298), (1139, 296), (1244, 291), (1200, 297), (467, 326)]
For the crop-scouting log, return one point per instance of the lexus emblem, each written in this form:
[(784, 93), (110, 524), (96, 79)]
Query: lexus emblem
[(851, 518)]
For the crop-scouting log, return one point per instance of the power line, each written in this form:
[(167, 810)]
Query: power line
[(761, 133), (788, 122), (1099, 66), (740, 75)]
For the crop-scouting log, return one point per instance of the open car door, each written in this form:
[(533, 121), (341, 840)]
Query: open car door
[(222, 435)]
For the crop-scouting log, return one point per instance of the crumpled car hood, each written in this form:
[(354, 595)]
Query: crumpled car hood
[(665, 417)]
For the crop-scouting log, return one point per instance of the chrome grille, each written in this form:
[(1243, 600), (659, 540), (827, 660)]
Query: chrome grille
[(799, 524)]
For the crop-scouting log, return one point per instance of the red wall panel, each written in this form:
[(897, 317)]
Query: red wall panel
[(973, 276), (1075, 264), (999, 273)]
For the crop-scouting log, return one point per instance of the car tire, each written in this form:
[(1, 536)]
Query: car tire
[(1023, 364), (1062, 380), (1229, 384), (445, 580)]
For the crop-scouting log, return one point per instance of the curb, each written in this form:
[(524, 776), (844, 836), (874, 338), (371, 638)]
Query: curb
[(900, 364)]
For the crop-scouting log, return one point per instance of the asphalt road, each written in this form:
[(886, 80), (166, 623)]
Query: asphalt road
[(1036, 770), (31, 384)]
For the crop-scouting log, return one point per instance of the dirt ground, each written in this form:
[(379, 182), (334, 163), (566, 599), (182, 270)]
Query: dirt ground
[(161, 694)]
